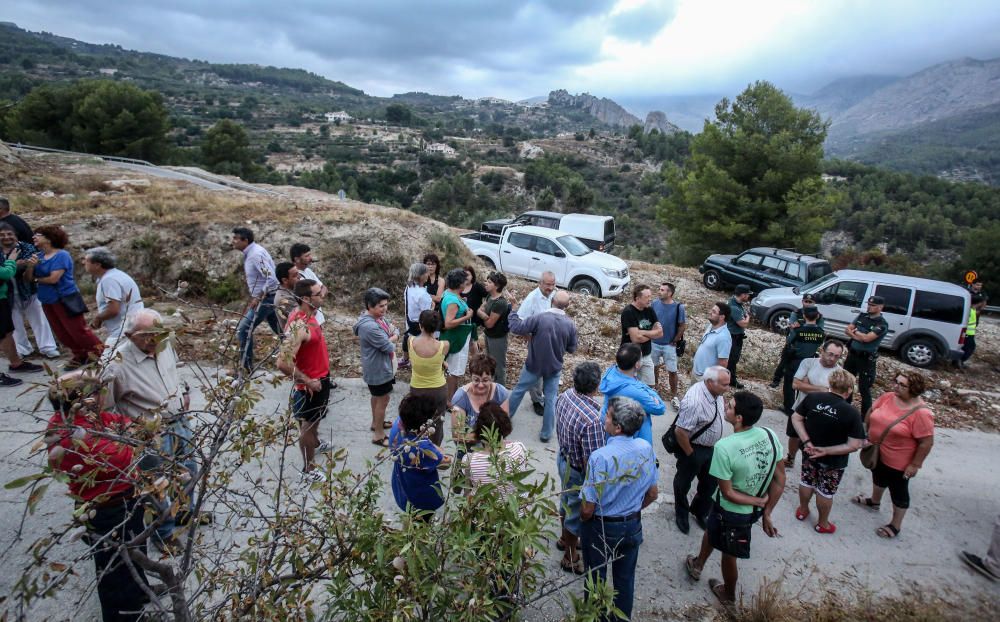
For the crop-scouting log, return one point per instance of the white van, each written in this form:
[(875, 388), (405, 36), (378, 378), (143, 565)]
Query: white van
[(926, 318), (597, 232)]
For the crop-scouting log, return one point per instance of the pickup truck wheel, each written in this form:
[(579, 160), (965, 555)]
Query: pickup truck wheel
[(779, 321), (587, 286), (489, 262), (919, 353), (712, 279)]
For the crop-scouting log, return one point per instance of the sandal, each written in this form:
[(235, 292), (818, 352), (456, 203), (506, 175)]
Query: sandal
[(719, 588), (386, 425), (382, 442), (560, 545), (692, 570), (574, 567), (866, 502), (831, 529), (887, 531), (790, 462), (800, 515)]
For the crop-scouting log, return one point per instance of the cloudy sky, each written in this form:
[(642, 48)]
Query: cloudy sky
[(522, 48)]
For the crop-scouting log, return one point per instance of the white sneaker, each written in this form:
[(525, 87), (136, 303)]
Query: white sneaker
[(313, 477), (676, 403), (324, 447)]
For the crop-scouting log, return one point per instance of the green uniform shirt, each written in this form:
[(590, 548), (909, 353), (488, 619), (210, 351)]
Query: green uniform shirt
[(736, 314), (805, 340), (747, 460), (867, 324)]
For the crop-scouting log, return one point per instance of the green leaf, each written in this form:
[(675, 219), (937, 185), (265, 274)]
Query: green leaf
[(24, 481)]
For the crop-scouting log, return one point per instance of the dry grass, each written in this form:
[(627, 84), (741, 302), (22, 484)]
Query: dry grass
[(773, 603)]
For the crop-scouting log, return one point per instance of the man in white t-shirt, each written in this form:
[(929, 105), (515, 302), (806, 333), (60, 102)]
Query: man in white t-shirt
[(537, 301), (813, 376), (117, 294), (301, 256)]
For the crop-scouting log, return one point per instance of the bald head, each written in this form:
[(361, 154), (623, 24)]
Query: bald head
[(561, 299), (143, 329)]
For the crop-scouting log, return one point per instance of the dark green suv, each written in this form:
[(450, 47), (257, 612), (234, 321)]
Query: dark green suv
[(762, 268)]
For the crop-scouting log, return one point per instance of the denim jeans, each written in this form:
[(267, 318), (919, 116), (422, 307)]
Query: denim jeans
[(617, 541), (253, 318), (176, 446), (550, 383)]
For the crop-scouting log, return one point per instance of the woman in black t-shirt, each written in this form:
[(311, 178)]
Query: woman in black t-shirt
[(493, 316)]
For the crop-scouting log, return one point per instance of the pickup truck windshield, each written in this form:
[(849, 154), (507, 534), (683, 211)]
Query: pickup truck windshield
[(573, 246)]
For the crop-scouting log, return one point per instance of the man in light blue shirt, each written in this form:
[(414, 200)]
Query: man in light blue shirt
[(673, 318), (622, 379), (715, 343), (620, 482), (262, 281), (117, 294)]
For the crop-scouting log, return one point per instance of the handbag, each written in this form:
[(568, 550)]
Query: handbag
[(869, 454), (669, 438), (74, 304), (680, 346)]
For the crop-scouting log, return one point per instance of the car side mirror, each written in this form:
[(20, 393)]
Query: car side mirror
[(560, 253)]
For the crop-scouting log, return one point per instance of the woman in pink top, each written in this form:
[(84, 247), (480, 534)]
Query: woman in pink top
[(904, 449)]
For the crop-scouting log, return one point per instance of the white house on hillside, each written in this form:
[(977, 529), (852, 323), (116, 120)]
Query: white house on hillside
[(442, 149), (333, 117)]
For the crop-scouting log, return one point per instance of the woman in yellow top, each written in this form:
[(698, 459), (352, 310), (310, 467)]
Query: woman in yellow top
[(427, 370)]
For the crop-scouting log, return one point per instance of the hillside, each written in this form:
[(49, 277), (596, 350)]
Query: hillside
[(358, 246)]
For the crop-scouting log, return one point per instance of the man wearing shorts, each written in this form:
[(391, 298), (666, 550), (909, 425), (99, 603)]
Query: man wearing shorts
[(673, 318), (307, 362), (746, 464), (640, 326), (830, 429)]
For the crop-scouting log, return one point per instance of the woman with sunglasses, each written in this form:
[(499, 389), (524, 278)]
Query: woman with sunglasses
[(904, 449)]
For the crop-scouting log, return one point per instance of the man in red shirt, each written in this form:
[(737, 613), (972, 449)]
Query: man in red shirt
[(305, 359), (83, 443)]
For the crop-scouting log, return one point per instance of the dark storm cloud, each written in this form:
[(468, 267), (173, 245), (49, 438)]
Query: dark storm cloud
[(424, 45)]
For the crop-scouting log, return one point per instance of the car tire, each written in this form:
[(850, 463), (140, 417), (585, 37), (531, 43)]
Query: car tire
[(712, 279), (919, 352), (489, 262), (587, 286), (778, 321)]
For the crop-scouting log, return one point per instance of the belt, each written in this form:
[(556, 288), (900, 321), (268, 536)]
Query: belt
[(571, 465), (619, 519)]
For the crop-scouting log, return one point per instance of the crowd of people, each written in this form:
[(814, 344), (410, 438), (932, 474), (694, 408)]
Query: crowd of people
[(455, 343)]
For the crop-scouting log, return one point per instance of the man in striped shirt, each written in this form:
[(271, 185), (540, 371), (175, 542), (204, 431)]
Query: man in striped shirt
[(580, 431)]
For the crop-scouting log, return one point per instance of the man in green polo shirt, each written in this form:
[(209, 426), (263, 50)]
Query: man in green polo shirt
[(747, 464), (866, 332), (737, 323)]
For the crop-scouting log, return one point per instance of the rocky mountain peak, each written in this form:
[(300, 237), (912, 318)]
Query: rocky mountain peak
[(603, 109), (657, 120)]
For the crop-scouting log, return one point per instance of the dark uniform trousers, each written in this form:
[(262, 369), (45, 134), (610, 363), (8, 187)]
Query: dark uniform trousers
[(862, 365), (734, 356)]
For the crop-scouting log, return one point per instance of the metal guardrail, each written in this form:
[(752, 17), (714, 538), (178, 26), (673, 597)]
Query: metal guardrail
[(222, 181)]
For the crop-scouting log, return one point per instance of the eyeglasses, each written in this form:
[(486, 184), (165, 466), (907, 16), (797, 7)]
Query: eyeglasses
[(482, 380)]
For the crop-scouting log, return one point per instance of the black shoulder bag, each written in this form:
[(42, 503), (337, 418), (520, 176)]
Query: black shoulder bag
[(669, 438), (736, 536)]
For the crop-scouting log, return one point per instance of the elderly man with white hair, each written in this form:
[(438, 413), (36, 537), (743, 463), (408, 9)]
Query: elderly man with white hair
[(117, 294), (698, 429), (143, 382)]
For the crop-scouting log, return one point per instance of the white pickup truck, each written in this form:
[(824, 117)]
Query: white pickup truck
[(527, 251)]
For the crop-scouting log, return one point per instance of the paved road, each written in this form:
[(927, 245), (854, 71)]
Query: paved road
[(955, 501), (156, 171)]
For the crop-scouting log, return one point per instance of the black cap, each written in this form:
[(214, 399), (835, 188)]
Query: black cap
[(743, 288), (876, 300), (808, 298), (811, 313)]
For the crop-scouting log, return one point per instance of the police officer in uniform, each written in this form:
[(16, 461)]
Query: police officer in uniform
[(866, 332), (803, 343), (794, 321), (737, 323)]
